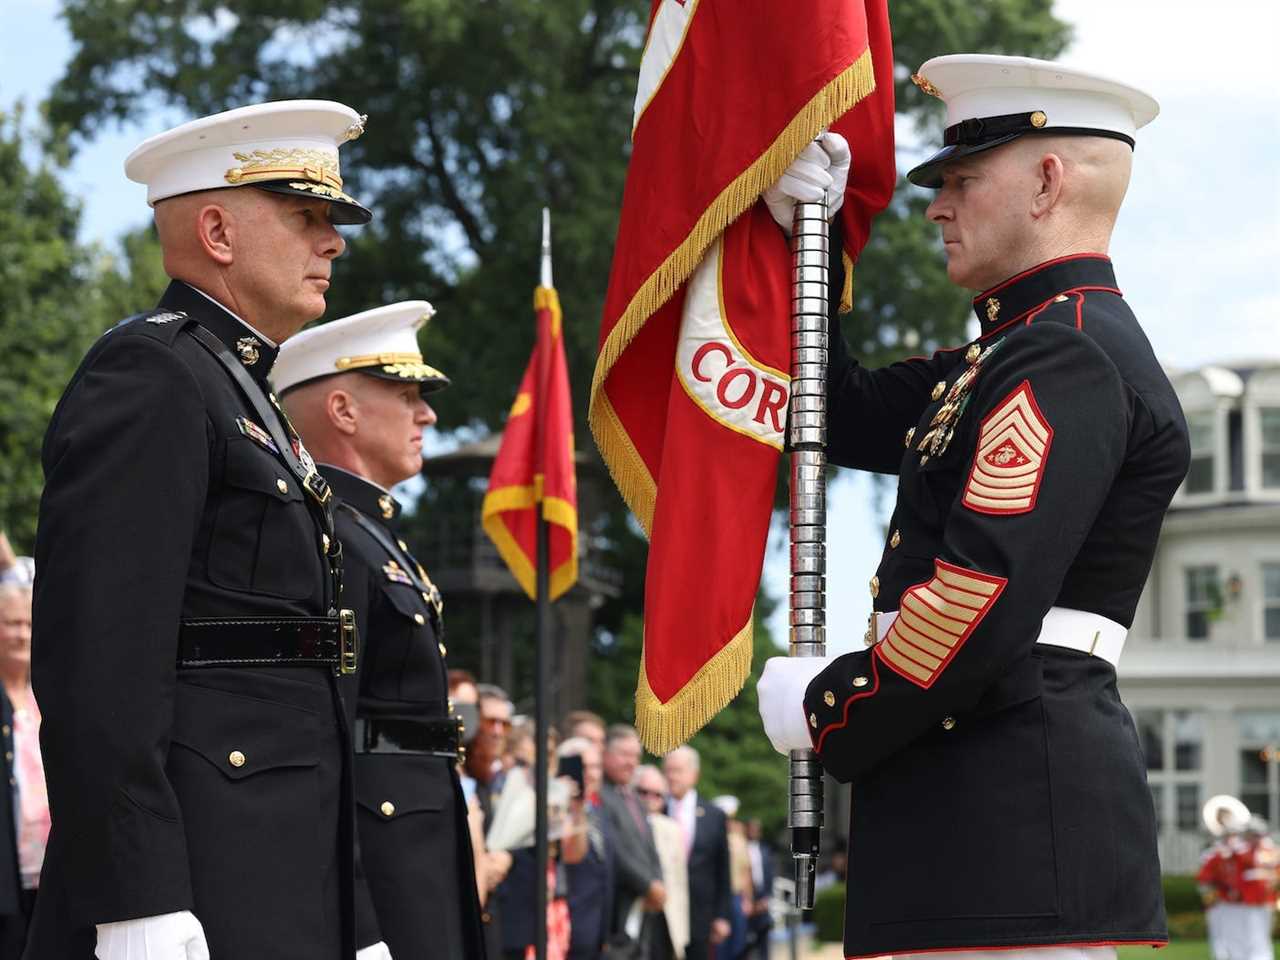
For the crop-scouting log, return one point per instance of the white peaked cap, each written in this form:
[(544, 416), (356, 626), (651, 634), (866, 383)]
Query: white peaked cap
[(381, 342), (287, 146), (993, 99)]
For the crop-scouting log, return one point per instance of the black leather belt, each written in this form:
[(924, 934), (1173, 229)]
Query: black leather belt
[(423, 736), (269, 642)]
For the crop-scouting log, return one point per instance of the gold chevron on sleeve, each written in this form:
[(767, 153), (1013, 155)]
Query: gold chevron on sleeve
[(935, 619), (1013, 445)]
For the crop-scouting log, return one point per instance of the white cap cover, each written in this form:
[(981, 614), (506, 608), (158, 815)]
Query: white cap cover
[(381, 342)]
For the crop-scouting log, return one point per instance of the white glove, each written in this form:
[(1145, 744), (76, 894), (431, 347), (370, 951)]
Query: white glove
[(781, 695), (171, 936), (379, 951), (823, 166)]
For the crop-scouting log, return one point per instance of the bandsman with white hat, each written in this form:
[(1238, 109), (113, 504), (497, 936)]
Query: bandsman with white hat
[(1000, 797), (189, 633), (357, 390)]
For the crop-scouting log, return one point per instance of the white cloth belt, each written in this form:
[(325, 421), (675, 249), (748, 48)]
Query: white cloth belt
[(1062, 627)]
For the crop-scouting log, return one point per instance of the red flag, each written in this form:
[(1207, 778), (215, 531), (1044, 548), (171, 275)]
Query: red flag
[(535, 463), (689, 398)]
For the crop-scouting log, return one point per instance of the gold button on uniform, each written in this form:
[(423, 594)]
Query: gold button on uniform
[(948, 723), (860, 681), (910, 433), (388, 808), (324, 541), (973, 353), (813, 720), (6, 729), (282, 486), (939, 389), (875, 587), (403, 545), (426, 596), (895, 539), (829, 699), (443, 651), (419, 619), (235, 758)]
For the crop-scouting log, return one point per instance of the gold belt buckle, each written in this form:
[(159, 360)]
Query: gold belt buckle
[(347, 641)]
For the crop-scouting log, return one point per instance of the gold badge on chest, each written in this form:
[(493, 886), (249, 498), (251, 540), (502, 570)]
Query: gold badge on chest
[(942, 426)]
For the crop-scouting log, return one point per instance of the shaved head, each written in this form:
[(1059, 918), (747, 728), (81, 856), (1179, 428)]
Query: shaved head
[(1036, 198)]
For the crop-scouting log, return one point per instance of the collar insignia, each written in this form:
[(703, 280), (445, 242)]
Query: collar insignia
[(993, 309), (387, 506), (167, 316), (247, 347)]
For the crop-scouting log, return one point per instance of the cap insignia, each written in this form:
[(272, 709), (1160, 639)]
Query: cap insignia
[(993, 309), (317, 166), (387, 506), (353, 132), (247, 347), (408, 366), (1038, 119), (926, 86)]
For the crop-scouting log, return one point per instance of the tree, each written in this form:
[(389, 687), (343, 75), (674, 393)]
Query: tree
[(58, 297)]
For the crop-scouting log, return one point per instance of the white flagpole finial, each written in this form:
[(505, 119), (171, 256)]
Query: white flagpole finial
[(546, 247)]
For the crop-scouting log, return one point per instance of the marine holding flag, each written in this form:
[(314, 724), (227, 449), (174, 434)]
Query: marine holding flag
[(690, 393), (999, 791)]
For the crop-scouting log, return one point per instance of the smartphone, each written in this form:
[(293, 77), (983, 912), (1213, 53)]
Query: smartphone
[(572, 767)]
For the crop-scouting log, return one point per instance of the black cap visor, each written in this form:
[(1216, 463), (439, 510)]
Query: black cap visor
[(343, 209), (929, 173)]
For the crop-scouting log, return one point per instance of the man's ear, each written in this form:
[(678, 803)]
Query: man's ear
[(1050, 172), (215, 225), (341, 408)]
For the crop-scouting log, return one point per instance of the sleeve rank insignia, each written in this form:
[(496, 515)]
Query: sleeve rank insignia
[(1013, 446), (257, 434)]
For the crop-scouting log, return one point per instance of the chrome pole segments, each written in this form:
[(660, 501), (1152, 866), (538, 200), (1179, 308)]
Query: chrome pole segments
[(807, 438)]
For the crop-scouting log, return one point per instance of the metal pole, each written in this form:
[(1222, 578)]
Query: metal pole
[(542, 639), (807, 437)]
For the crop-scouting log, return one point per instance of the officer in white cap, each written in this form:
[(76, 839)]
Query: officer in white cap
[(357, 391), (1000, 797), (189, 634)]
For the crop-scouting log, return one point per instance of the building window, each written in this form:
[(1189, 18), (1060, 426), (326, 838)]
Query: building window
[(1200, 476), (1269, 417), (1260, 763), (1204, 600), (1271, 601), (1173, 745)]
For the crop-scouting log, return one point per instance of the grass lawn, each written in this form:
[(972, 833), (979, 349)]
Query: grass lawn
[(1176, 950)]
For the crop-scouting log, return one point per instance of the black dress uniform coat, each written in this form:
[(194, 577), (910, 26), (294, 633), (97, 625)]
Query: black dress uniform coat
[(999, 791), (415, 844), (215, 790)]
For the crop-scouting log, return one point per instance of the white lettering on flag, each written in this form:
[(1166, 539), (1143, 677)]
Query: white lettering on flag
[(730, 385)]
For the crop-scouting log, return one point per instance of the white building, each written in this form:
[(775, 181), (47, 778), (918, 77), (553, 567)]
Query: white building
[(1201, 668)]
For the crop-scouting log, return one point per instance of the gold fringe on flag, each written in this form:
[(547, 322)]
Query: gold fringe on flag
[(664, 726), (629, 473)]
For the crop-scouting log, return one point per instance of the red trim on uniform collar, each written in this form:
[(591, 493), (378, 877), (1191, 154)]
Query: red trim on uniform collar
[(1015, 297), (1036, 269)]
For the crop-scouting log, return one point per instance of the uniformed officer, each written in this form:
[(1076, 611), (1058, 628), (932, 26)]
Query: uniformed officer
[(188, 623), (356, 388), (999, 791)]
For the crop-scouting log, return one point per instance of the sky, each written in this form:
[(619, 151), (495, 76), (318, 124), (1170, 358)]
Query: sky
[(1195, 249)]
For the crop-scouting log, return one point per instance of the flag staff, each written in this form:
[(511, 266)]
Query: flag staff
[(807, 438), (542, 635)]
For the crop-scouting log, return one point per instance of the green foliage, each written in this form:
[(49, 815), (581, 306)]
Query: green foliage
[(828, 914), (1180, 893)]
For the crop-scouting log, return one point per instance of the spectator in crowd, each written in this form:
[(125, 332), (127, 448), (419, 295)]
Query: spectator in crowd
[(521, 747), (735, 944), (588, 725), (25, 809), (673, 937), (13, 568), (490, 869), (759, 920), (639, 893), (590, 881), (707, 841), (484, 764)]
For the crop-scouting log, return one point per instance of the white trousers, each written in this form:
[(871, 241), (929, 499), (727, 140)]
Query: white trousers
[(1026, 953)]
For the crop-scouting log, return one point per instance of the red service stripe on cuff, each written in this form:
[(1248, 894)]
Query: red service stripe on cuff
[(844, 719)]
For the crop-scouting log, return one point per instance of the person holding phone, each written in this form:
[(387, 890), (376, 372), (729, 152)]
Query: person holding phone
[(590, 880)]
